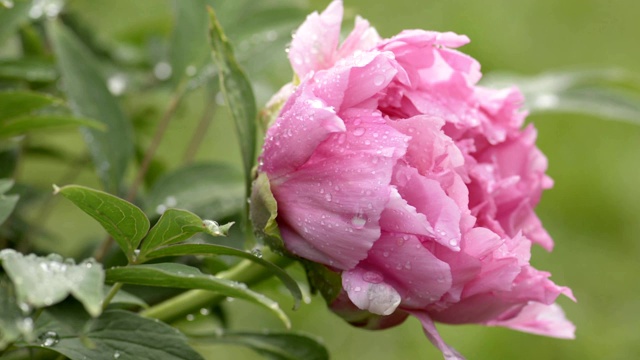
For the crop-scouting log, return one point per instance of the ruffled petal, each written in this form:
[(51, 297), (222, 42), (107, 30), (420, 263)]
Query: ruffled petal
[(541, 319), (316, 41)]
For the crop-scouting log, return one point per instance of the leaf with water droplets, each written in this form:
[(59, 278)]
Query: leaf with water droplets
[(175, 226), (30, 273), (237, 93), (117, 334), (210, 190), (13, 322), (187, 277), (125, 222), (87, 91), (610, 94), (274, 345), (210, 249)]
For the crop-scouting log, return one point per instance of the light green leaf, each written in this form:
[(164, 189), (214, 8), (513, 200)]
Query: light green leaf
[(14, 103), (175, 226), (210, 249), (211, 190), (44, 281), (11, 18), (21, 125), (187, 277), (610, 94), (35, 70), (263, 213), (125, 222), (237, 93), (274, 345), (123, 297), (7, 202), (89, 97), (117, 334)]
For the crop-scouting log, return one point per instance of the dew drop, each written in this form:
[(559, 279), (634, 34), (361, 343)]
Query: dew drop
[(453, 242), (357, 289), (358, 221), (256, 252), (116, 354), (190, 317), (327, 197), (378, 79), (359, 131), (204, 311), (49, 338), (372, 277), (162, 70)]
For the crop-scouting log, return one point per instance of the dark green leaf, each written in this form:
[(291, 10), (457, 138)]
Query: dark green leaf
[(175, 226), (210, 249), (20, 103), (237, 93), (7, 202), (21, 125), (125, 222), (13, 323), (189, 43), (187, 277), (274, 345), (11, 18), (35, 70), (211, 190), (85, 87), (44, 281), (117, 334)]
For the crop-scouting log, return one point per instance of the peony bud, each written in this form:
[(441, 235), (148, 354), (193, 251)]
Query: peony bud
[(415, 187)]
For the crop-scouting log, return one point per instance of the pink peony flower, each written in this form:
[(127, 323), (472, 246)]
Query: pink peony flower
[(394, 169)]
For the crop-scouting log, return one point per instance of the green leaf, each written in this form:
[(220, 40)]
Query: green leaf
[(187, 277), (13, 323), (175, 226), (20, 125), (274, 345), (123, 297), (210, 249), (237, 93), (263, 213), (117, 334), (610, 94), (125, 222), (44, 281), (34, 70), (7, 202), (189, 42), (211, 190), (11, 18), (14, 103), (85, 87)]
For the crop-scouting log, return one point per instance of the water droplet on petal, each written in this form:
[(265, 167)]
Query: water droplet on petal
[(453, 242), (378, 79), (359, 131), (358, 221), (372, 277)]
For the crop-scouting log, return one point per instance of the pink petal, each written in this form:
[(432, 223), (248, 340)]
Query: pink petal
[(334, 200), (316, 41), (363, 37), (429, 198), (541, 319), (402, 261), (430, 330), (304, 123), (400, 217)]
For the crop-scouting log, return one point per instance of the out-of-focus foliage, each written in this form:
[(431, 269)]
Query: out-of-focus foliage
[(118, 68)]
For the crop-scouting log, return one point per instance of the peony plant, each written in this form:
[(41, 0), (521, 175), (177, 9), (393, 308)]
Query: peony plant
[(413, 187)]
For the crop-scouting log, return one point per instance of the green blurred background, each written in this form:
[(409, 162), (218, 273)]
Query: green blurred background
[(592, 212)]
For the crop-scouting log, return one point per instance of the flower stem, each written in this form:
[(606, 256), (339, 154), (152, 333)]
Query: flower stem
[(112, 293), (192, 301)]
